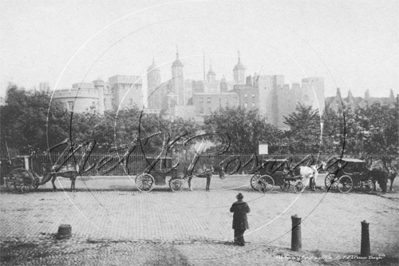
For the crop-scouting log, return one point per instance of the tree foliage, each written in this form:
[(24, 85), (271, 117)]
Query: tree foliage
[(372, 130), (30, 121), (305, 129), (245, 128)]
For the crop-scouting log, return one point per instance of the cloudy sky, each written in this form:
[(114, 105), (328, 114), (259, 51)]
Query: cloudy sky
[(352, 44)]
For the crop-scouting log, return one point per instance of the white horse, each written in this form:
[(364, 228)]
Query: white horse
[(310, 173)]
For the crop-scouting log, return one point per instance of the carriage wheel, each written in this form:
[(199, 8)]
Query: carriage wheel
[(367, 186), (10, 182), (145, 182), (330, 181), (267, 183), (254, 181), (262, 183), (175, 184), (345, 184), (285, 186), (298, 187), (23, 180)]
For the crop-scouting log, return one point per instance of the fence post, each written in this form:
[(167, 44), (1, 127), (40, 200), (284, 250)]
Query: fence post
[(296, 237), (365, 240)]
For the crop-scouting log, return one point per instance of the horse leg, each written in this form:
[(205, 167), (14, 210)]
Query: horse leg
[(189, 183), (392, 178), (52, 182), (73, 183), (311, 183), (208, 183)]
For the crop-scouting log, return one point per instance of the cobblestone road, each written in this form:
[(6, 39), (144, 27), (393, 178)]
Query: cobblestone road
[(117, 218)]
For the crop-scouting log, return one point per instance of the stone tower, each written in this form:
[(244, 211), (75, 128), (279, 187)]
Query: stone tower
[(239, 72), (99, 86), (154, 93), (178, 80), (211, 76)]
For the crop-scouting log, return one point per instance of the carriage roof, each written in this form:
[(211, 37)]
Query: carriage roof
[(352, 160), (272, 160)]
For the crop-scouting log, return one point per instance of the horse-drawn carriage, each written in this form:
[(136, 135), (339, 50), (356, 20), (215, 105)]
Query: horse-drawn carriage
[(23, 178), (278, 172), (156, 172), (158, 169), (346, 174)]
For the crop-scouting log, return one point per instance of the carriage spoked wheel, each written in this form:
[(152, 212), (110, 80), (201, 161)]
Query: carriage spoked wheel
[(263, 183), (298, 187), (345, 184), (176, 184), (145, 182), (23, 180), (10, 182), (367, 186), (285, 186), (330, 181)]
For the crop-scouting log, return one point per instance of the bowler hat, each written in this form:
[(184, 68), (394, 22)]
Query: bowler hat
[(240, 196)]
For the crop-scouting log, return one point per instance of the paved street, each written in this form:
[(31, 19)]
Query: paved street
[(109, 214)]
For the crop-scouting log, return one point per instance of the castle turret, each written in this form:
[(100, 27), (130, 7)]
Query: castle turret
[(178, 80), (239, 72), (211, 75), (154, 93), (99, 86), (367, 95)]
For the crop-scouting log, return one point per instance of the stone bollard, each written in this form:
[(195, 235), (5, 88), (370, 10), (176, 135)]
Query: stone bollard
[(365, 240), (296, 237), (64, 231)]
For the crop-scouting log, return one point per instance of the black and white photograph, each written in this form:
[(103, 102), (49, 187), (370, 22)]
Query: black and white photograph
[(199, 132)]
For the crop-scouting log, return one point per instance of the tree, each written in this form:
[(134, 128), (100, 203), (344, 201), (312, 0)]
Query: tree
[(305, 129), (245, 128), (378, 127), (30, 121)]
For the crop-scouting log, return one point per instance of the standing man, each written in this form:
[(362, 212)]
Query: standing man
[(240, 221)]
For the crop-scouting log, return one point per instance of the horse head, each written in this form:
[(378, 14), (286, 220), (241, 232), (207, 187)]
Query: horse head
[(219, 170), (322, 166)]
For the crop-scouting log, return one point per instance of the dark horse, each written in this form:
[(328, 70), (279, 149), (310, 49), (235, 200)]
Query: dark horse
[(205, 172), (51, 173), (382, 176)]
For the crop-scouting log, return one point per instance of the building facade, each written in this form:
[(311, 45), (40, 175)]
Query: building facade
[(352, 103), (118, 92)]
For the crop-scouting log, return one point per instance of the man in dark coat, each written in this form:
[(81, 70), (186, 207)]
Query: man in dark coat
[(240, 221)]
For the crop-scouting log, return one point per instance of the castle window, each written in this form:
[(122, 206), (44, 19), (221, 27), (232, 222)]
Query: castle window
[(246, 95), (245, 105), (201, 100), (306, 98), (253, 104), (201, 110), (253, 95), (209, 110), (70, 105), (209, 100)]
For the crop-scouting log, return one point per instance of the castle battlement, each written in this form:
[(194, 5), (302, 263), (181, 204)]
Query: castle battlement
[(76, 92), (117, 79)]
